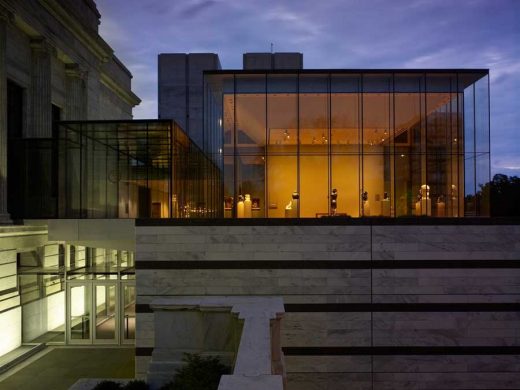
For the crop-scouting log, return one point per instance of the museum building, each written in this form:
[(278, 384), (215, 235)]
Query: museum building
[(316, 186)]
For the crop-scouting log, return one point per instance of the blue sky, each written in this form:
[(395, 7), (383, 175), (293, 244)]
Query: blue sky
[(332, 34)]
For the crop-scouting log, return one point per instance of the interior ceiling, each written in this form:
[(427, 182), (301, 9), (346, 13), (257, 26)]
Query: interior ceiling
[(251, 111)]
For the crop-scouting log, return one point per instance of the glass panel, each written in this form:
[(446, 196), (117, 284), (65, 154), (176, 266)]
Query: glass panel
[(377, 108), (377, 145), (409, 142), (483, 190), (282, 137), (344, 109), (251, 186), (250, 114), (376, 185), (314, 186), (482, 115), (229, 186), (282, 184), (313, 95), (282, 114), (442, 142), (80, 301), (105, 323), (469, 152), (128, 312), (345, 179)]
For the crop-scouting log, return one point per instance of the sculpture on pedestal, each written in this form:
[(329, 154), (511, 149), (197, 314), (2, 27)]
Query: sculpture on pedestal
[(423, 206), (333, 201), (366, 204), (291, 210), (240, 207), (247, 207)]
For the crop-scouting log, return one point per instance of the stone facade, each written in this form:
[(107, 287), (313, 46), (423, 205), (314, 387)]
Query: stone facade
[(367, 305), (51, 49), (181, 89)]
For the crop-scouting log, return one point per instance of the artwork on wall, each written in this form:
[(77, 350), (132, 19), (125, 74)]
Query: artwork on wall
[(228, 203)]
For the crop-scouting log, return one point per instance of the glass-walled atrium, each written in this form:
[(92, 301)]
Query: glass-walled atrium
[(350, 143), (112, 169)]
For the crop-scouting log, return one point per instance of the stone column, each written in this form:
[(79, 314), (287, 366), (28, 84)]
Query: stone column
[(41, 112), (4, 216), (76, 102)]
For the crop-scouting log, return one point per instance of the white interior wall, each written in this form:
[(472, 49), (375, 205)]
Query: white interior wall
[(10, 325), (43, 315)]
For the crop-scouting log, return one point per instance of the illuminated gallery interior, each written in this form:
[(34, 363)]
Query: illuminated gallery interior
[(349, 143), (277, 144)]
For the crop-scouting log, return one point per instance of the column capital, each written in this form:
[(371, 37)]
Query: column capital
[(40, 44), (75, 71), (6, 15)]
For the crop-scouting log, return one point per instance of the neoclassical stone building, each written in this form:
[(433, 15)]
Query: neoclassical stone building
[(54, 65)]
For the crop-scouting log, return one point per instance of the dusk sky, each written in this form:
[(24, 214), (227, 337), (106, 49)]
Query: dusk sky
[(332, 34)]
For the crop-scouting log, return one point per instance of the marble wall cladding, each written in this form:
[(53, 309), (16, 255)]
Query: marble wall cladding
[(327, 364), (252, 282), (446, 329), (255, 243), (452, 242), (408, 381), (478, 281), (141, 366), (320, 330), (329, 381), (446, 363), (325, 329), (446, 381)]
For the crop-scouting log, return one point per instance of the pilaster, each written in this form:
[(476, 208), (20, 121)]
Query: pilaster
[(4, 20), (41, 113), (76, 94)]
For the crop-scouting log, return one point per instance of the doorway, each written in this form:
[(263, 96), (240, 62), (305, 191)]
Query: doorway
[(100, 312)]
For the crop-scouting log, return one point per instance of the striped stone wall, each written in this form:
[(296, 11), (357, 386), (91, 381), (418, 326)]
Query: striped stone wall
[(369, 304)]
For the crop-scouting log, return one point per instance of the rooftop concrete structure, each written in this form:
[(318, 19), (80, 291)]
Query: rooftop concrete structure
[(181, 89), (272, 61)]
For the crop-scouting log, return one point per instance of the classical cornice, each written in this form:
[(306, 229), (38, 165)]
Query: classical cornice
[(95, 44), (128, 96), (6, 14)]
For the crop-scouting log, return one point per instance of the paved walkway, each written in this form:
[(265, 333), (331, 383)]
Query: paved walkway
[(60, 367)]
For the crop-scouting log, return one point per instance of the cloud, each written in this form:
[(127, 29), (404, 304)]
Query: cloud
[(335, 33), (198, 7)]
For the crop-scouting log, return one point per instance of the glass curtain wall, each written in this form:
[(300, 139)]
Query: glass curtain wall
[(311, 144), (134, 169)]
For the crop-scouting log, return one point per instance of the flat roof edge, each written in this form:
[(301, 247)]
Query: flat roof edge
[(331, 221), (318, 71)]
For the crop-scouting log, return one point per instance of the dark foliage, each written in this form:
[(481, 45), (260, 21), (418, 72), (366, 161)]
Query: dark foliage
[(136, 385), (199, 373), (505, 195), (107, 385), (111, 385)]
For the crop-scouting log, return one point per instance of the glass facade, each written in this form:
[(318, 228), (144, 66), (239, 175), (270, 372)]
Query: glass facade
[(113, 169), (349, 143)]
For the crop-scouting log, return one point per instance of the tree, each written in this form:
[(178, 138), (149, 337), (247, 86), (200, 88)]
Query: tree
[(505, 195)]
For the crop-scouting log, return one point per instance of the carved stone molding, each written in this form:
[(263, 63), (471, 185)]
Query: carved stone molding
[(75, 71)]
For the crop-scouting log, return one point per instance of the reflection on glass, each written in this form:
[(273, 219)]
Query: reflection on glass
[(105, 323), (379, 139), (313, 186), (282, 183), (80, 301), (128, 312), (345, 179)]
